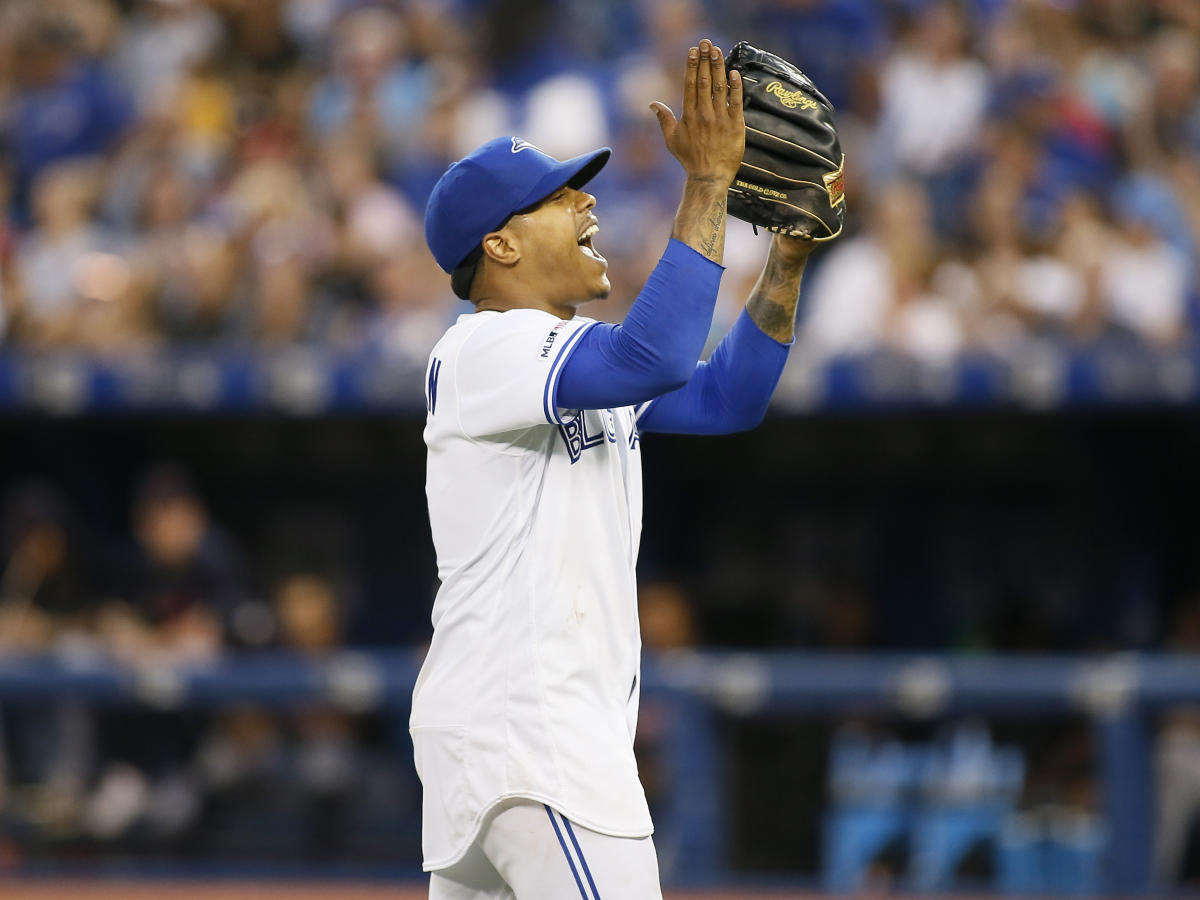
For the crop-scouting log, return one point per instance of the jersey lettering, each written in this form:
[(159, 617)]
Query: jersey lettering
[(579, 436), (435, 369), (610, 426)]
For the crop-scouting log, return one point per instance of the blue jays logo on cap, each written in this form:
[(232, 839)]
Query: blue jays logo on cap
[(477, 193)]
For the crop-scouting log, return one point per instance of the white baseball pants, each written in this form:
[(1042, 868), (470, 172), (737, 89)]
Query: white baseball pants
[(528, 851)]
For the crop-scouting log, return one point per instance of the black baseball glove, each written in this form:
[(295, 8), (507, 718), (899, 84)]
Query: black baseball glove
[(790, 180)]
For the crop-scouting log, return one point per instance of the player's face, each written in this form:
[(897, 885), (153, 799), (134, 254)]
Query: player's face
[(561, 263)]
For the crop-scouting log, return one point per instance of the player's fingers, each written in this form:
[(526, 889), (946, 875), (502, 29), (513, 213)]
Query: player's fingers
[(689, 83), (666, 119), (720, 94), (704, 81), (735, 97)]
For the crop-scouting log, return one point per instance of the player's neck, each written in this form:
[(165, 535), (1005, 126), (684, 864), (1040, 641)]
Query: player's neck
[(501, 303), (501, 288)]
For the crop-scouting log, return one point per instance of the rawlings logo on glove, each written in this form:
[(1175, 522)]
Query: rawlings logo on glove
[(790, 99)]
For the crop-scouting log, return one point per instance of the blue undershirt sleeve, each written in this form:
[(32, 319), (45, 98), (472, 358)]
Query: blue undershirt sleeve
[(654, 351), (728, 393)]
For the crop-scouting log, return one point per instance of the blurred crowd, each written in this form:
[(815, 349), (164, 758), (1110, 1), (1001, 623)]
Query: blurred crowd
[(252, 173), (171, 590)]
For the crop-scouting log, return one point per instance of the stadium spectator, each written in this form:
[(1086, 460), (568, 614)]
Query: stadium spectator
[(668, 623), (299, 771), (889, 271), (173, 593), (375, 93), (285, 299), (161, 43), (47, 303), (666, 616), (259, 38), (48, 597), (413, 306), (326, 749), (1143, 278), (839, 41), (1177, 772), (181, 580), (1023, 288), (8, 241), (392, 297), (928, 139), (64, 104), (48, 585), (201, 294)]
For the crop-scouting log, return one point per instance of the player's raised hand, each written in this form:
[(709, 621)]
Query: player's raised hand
[(709, 138)]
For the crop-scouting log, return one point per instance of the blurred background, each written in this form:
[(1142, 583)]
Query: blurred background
[(931, 628)]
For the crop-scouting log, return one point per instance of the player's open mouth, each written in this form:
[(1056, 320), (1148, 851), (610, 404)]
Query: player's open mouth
[(585, 242)]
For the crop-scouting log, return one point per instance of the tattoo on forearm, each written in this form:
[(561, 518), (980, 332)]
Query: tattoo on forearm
[(772, 304), (715, 220)]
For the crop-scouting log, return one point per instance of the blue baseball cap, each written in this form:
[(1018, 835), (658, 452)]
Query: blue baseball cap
[(476, 194)]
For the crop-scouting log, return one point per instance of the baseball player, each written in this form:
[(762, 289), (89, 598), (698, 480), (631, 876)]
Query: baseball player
[(523, 715)]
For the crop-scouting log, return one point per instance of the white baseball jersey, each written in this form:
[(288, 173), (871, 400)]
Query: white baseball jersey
[(530, 688)]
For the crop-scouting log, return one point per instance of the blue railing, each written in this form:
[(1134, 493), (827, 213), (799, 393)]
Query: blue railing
[(309, 381), (1119, 694)]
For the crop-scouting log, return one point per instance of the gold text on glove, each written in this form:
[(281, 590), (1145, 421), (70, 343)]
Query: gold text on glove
[(791, 99)]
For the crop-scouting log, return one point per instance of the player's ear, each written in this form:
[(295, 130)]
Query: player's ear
[(502, 247)]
